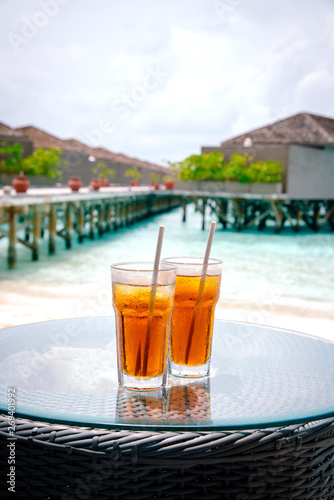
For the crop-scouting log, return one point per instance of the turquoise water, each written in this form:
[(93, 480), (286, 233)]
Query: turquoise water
[(256, 265)]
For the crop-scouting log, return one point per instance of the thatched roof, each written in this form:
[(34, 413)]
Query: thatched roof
[(303, 128), (42, 139)]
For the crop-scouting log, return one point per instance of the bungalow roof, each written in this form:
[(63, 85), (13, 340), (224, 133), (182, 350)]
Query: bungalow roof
[(302, 128)]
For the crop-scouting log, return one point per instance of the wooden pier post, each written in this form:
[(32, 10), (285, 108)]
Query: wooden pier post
[(91, 222), (52, 229), (221, 209), (113, 224), (12, 219), (123, 214), (327, 217), (107, 217), (299, 216), (36, 232), (68, 226), (278, 216), (316, 216), (133, 209), (119, 215), (238, 214), (81, 223), (184, 208), (100, 225), (130, 213), (262, 223), (294, 224), (203, 214), (331, 215)]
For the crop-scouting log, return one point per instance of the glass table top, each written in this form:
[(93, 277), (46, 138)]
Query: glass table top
[(65, 372)]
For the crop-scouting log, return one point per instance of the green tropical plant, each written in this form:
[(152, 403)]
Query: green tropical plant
[(133, 173), (201, 167), (168, 178), (266, 171), (41, 162), (238, 167), (102, 172), (155, 177), (241, 168)]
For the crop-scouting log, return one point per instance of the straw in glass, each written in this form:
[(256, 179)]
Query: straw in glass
[(201, 287), (151, 307)]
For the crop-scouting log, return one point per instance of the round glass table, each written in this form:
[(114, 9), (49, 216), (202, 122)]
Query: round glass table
[(261, 425)]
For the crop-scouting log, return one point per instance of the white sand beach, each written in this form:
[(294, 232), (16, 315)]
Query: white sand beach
[(23, 302), (281, 280)]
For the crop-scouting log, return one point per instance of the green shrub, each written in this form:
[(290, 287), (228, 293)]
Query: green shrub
[(40, 162), (102, 171), (240, 168), (133, 173)]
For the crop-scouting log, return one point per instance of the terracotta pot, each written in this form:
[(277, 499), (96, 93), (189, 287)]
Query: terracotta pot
[(74, 183), (169, 184), (95, 184), (104, 182), (155, 185), (134, 183), (20, 184)]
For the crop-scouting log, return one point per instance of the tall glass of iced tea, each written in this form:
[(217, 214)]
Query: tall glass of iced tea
[(196, 297), (143, 310)]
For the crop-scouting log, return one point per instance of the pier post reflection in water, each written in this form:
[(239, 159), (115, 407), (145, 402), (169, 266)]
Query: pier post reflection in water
[(180, 403)]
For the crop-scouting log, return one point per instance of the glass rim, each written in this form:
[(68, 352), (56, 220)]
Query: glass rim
[(184, 262), (163, 266)]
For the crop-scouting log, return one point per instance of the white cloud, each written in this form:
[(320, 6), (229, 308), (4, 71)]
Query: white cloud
[(224, 74)]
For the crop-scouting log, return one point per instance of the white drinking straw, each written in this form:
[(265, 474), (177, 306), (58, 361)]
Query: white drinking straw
[(157, 257), (152, 298), (201, 286), (208, 249)]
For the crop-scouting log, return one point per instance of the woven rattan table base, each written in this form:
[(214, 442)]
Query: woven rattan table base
[(61, 462)]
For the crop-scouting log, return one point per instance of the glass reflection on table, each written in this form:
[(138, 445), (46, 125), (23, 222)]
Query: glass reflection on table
[(182, 402)]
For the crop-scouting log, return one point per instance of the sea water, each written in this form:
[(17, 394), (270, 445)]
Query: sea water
[(286, 270)]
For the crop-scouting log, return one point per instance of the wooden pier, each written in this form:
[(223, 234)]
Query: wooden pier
[(243, 211), (26, 219)]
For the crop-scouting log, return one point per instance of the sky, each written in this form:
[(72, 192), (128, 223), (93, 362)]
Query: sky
[(158, 80)]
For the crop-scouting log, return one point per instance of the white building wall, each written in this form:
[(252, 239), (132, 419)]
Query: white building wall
[(310, 173)]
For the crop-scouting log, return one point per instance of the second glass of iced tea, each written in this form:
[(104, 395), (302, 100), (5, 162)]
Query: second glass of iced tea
[(196, 297), (143, 311)]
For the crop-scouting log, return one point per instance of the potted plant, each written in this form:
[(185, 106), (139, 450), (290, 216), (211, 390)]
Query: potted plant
[(134, 174), (40, 162), (169, 181), (74, 183), (155, 180), (103, 173)]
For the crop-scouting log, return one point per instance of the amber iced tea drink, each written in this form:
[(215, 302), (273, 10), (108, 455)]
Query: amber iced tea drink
[(143, 316), (196, 297)]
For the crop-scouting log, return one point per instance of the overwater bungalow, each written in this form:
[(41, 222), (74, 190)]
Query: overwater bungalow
[(302, 143)]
